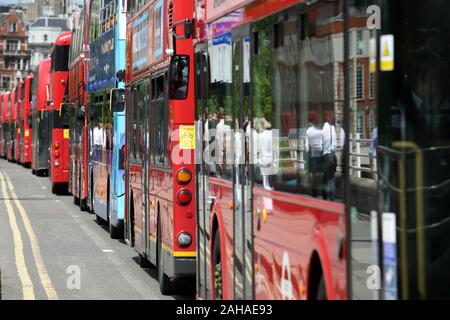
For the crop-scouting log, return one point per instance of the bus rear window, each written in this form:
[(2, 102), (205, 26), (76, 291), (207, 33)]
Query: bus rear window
[(60, 58), (179, 77)]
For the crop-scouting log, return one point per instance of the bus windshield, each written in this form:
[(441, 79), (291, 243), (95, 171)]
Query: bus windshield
[(60, 58)]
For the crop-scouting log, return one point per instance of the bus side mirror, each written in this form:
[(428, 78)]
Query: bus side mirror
[(117, 103), (64, 109), (188, 29), (81, 112)]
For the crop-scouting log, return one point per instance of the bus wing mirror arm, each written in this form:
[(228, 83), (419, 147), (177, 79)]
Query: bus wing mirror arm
[(188, 29)]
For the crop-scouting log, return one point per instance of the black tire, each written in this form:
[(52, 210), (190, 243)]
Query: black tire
[(83, 202), (100, 221), (217, 268), (55, 188), (115, 232), (33, 171), (91, 200), (76, 200), (164, 281), (321, 290)]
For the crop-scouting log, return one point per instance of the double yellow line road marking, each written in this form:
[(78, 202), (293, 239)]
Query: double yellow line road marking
[(27, 285)]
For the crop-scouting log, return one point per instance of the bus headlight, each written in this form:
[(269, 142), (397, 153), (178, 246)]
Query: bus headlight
[(184, 239), (56, 163)]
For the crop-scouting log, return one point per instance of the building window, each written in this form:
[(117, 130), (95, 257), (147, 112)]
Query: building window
[(372, 120), (12, 45), (360, 82), (12, 27), (45, 37), (7, 62), (6, 82), (359, 43), (360, 122), (371, 85)]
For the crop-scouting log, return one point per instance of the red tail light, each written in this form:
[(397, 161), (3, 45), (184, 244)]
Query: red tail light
[(56, 154), (184, 197), (56, 145)]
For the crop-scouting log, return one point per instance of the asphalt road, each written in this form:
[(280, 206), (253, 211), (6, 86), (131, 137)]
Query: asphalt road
[(49, 249)]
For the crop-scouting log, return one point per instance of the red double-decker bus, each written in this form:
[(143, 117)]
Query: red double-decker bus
[(2, 126), (10, 143), (160, 182), (25, 123), (40, 118), (320, 127), (18, 120), (77, 100), (59, 113)]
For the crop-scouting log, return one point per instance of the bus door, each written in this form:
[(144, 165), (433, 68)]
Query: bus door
[(203, 204), (243, 237), (414, 149)]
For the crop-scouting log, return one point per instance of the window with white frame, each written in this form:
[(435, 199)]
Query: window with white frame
[(12, 44), (360, 82), (359, 43), (12, 27)]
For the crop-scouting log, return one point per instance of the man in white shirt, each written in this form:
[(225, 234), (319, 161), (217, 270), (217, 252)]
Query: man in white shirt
[(329, 157), (314, 147)]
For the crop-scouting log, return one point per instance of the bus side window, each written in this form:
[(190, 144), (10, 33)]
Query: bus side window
[(161, 124), (296, 108)]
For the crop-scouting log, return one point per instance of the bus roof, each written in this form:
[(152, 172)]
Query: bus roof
[(63, 39)]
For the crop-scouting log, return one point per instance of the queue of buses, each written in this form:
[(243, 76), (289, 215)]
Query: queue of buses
[(268, 149)]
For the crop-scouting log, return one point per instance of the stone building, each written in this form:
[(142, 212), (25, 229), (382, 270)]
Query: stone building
[(41, 8), (14, 51), (42, 33)]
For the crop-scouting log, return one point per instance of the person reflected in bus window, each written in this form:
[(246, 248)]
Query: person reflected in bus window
[(314, 147), (329, 160), (220, 142), (373, 148), (228, 136), (266, 153), (210, 139)]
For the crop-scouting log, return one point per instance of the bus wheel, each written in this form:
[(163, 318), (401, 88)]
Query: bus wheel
[(83, 202), (217, 265), (55, 188), (115, 232), (321, 291), (76, 200), (164, 281), (100, 221)]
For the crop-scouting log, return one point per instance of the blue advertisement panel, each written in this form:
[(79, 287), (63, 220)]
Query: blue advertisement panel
[(102, 71)]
